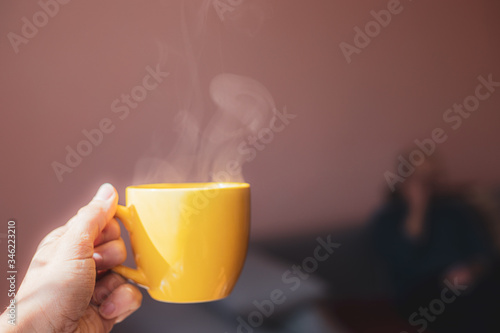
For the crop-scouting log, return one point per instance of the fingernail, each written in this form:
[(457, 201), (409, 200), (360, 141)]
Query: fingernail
[(107, 309), (97, 258), (105, 192)]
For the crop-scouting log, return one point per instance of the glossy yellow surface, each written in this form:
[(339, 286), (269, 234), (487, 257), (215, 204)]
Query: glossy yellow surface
[(189, 240)]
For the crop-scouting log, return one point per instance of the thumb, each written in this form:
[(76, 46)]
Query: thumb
[(85, 226)]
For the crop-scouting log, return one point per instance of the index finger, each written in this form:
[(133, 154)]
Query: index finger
[(88, 223)]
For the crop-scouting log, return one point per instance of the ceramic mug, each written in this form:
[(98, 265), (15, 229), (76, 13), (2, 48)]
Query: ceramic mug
[(189, 239)]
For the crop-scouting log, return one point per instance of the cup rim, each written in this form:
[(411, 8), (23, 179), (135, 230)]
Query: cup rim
[(187, 186)]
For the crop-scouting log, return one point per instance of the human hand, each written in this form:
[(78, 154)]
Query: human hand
[(60, 293)]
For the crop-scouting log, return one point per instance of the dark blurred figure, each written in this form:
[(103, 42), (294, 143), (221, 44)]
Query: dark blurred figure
[(439, 255)]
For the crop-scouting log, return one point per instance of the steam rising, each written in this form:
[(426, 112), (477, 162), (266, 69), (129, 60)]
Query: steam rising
[(208, 136), (243, 106)]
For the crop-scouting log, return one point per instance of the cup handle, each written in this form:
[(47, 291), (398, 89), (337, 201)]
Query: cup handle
[(127, 217)]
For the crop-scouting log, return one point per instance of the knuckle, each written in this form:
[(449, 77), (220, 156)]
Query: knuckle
[(137, 297), (134, 295), (116, 281)]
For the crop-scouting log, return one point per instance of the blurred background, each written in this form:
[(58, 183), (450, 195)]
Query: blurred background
[(365, 79)]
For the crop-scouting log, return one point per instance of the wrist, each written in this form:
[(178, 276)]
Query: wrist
[(29, 319)]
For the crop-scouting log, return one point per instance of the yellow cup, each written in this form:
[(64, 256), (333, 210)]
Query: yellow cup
[(189, 240)]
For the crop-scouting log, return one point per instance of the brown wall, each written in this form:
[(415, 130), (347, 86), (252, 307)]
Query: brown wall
[(324, 170)]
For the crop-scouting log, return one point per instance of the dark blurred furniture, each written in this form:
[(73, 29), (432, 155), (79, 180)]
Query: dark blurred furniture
[(359, 293)]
